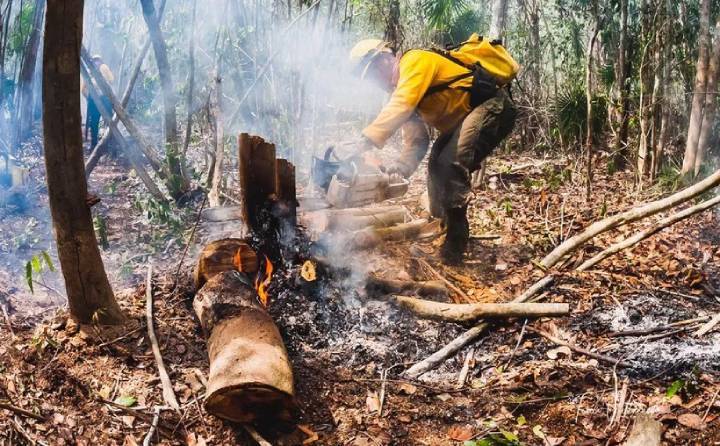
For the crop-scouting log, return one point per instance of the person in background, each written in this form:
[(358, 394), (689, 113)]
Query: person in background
[(92, 117), (428, 88)]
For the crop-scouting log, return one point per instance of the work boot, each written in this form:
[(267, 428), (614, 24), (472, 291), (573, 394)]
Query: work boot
[(458, 234)]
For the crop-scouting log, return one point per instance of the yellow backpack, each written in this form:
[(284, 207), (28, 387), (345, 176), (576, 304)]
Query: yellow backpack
[(487, 62), (492, 55)]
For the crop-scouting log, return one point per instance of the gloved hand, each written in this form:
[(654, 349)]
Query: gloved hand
[(396, 169)]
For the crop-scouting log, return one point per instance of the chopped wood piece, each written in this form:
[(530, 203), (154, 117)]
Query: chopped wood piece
[(475, 311), (646, 431), (332, 220), (369, 237), (709, 325), (250, 375), (376, 287), (223, 255)]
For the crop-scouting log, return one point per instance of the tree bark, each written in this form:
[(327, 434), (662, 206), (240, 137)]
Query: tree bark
[(90, 296), (696, 111), (645, 106), (620, 160), (499, 18), (708, 119), (179, 183), (589, 103)]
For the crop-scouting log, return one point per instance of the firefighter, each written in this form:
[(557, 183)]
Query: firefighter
[(433, 88), (92, 117)]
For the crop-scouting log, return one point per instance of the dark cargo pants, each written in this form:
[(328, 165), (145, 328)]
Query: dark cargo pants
[(457, 154)]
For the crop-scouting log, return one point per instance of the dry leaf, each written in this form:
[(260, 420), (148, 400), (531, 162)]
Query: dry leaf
[(128, 420), (554, 441), (129, 441), (692, 421), (460, 433), (407, 389), (443, 397), (556, 352), (373, 402)]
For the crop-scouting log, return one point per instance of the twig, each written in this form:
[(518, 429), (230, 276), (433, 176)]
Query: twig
[(442, 278), (168, 393), (577, 349), (517, 344), (652, 330), (21, 411), (712, 401), (153, 427), (192, 235), (620, 404), (256, 436), (709, 325), (164, 430), (19, 429), (462, 377)]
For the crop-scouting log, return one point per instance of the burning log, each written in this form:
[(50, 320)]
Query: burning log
[(471, 312), (250, 374), (376, 287), (225, 255)]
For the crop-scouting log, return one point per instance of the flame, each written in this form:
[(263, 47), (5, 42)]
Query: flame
[(263, 280)]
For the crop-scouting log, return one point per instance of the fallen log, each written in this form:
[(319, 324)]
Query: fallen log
[(225, 255), (250, 375), (472, 312), (376, 287), (369, 237)]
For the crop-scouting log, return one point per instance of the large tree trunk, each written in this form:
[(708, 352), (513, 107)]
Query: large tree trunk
[(27, 75), (90, 296), (696, 112), (708, 119), (180, 183)]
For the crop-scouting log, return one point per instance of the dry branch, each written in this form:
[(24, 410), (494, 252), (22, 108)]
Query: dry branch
[(709, 325), (168, 393), (576, 349), (650, 231), (469, 336), (377, 287), (442, 278), (471, 312), (630, 216)]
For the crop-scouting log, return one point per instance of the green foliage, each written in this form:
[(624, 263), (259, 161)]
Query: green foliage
[(441, 13), (21, 29), (101, 231), (37, 265), (504, 438), (570, 110), (674, 388)]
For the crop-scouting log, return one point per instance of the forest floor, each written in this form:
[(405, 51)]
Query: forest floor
[(86, 386)]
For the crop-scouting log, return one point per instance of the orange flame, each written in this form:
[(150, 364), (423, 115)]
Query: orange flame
[(263, 280)]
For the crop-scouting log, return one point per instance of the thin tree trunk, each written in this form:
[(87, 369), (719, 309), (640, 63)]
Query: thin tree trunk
[(665, 89), (90, 296), (620, 160), (589, 103), (179, 184), (499, 18), (708, 119), (102, 146), (191, 82), (645, 111), (27, 75), (696, 111), (214, 195)]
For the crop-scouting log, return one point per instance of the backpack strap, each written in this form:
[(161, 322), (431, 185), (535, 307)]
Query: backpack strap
[(445, 85)]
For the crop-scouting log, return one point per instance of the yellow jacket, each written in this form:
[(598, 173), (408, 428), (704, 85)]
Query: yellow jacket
[(444, 110)]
